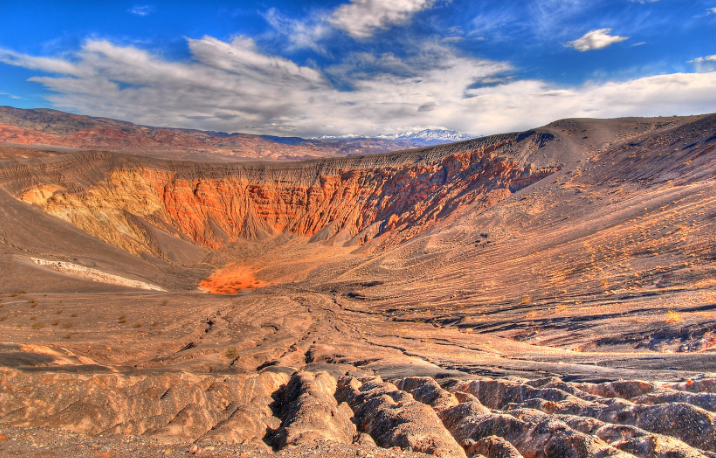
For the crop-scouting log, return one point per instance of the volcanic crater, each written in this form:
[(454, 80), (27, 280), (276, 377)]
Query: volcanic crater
[(549, 293)]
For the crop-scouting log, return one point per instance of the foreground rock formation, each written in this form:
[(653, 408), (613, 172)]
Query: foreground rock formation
[(541, 294), (537, 418)]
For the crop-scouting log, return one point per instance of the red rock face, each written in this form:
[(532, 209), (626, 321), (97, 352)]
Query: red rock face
[(393, 197)]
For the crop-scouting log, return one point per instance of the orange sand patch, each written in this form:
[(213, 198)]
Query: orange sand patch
[(231, 280)]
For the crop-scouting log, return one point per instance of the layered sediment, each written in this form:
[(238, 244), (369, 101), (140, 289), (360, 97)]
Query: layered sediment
[(130, 204)]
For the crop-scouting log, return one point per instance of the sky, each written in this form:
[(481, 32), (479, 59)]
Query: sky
[(363, 67)]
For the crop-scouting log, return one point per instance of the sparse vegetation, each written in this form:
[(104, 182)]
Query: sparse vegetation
[(38, 325), (673, 316), (137, 325), (122, 319), (67, 325), (231, 353)]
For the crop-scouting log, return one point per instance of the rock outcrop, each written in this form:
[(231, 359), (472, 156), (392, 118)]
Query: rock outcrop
[(310, 412), (393, 418)]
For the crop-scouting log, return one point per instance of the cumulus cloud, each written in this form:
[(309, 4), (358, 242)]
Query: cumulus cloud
[(699, 60), (595, 39), (361, 18), (234, 86)]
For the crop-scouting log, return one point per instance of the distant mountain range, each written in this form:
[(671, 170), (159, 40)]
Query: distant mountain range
[(431, 136), (57, 131)]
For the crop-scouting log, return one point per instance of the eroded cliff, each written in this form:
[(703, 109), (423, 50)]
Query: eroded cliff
[(130, 202)]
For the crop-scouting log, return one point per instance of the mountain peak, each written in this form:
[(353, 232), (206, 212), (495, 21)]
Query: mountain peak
[(434, 136)]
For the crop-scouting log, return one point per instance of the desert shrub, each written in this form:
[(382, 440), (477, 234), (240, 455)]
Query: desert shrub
[(673, 317), (231, 353)]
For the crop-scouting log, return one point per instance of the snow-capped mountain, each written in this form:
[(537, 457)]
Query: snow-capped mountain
[(429, 135)]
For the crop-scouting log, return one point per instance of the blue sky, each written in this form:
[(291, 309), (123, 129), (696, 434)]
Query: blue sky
[(360, 66)]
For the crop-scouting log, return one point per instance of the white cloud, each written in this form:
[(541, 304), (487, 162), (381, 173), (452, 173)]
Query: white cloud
[(10, 95), (304, 33), (700, 60), (234, 87), (38, 63), (141, 10), (360, 18), (595, 39)]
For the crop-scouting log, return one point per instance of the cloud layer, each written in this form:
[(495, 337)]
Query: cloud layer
[(234, 86)]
